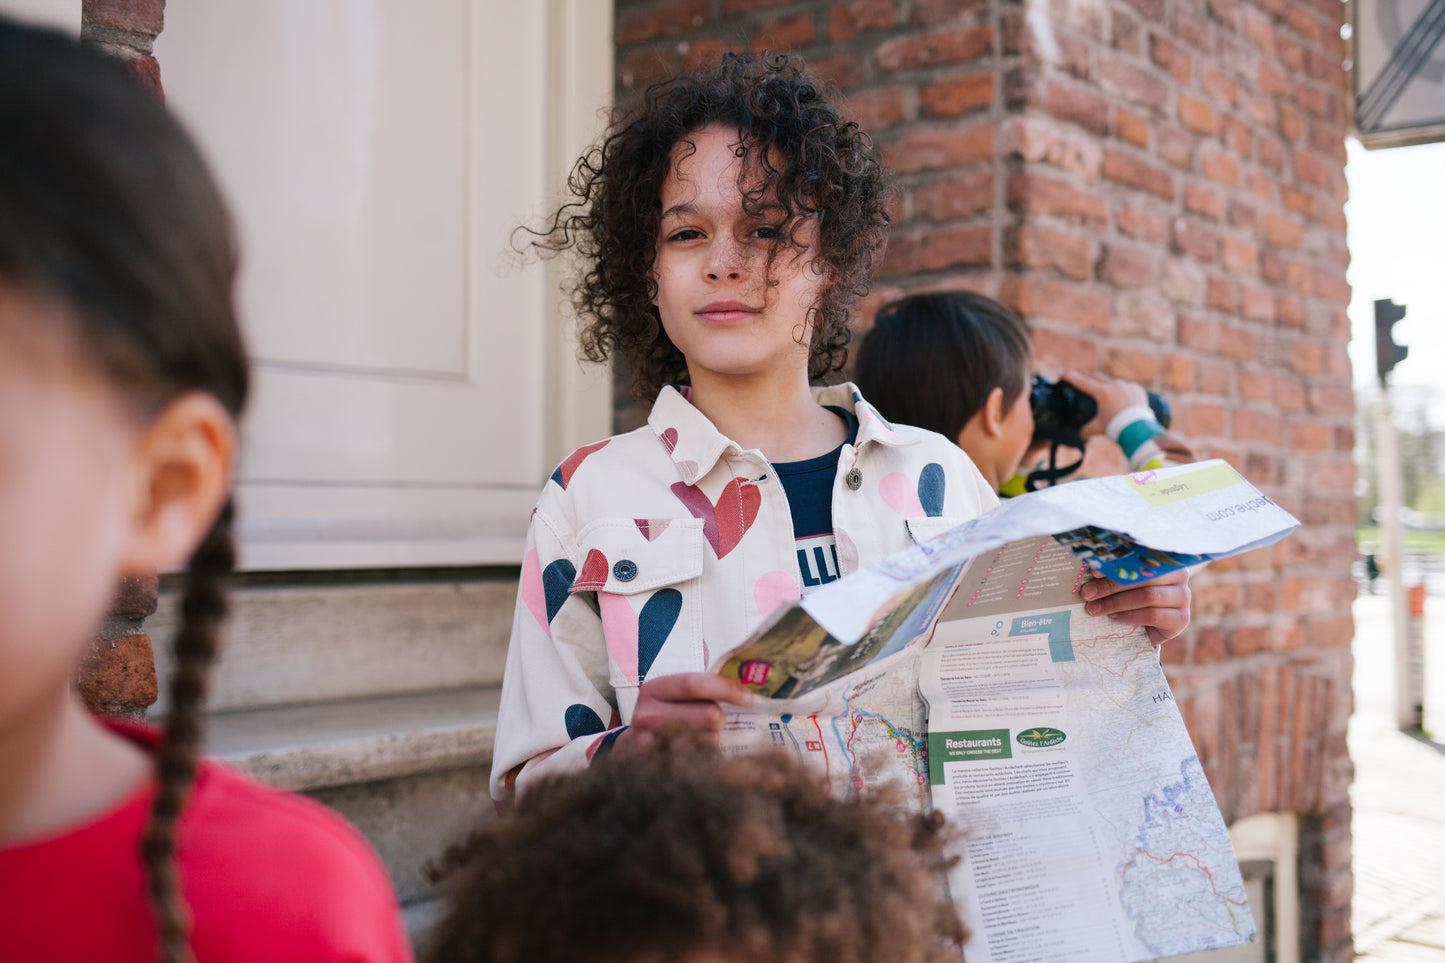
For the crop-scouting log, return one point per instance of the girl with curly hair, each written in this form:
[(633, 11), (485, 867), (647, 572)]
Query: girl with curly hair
[(728, 225), (122, 377)]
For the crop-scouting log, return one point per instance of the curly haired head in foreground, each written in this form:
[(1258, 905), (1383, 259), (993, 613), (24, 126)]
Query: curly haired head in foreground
[(684, 854), (814, 165)]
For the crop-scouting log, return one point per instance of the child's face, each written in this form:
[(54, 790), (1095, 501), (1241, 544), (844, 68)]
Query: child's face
[(1017, 432), (67, 487), (730, 313)]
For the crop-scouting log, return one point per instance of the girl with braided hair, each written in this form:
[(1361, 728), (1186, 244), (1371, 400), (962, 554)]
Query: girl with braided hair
[(122, 376)]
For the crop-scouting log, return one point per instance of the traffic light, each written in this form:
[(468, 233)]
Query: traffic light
[(1387, 352)]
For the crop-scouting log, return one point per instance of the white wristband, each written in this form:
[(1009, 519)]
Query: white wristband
[(1126, 418)]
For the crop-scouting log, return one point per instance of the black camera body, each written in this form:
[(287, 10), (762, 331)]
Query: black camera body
[(1061, 410)]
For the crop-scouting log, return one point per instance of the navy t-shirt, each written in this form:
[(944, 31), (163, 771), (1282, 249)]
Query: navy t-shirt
[(809, 487)]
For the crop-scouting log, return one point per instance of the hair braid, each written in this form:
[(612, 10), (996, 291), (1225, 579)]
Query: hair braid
[(203, 609)]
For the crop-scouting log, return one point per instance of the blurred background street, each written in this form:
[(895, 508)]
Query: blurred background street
[(1399, 793)]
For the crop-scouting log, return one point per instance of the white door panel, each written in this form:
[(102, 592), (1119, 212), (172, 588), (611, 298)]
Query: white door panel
[(377, 155)]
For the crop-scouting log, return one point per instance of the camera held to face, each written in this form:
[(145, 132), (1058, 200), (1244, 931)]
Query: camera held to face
[(1060, 411)]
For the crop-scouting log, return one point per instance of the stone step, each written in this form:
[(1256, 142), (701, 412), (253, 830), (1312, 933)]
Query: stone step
[(409, 771), (304, 644)]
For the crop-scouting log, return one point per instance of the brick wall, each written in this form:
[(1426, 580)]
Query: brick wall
[(118, 674), (1158, 185)]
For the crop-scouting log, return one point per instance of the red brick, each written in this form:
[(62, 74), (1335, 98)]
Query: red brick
[(1174, 59), (845, 70), (1036, 298), (1307, 357), (1289, 392), (1124, 32), (1145, 315), (1182, 281), (1311, 436), (1235, 341), (1236, 135), (785, 33), (1271, 80), (1222, 294), (145, 17), (1072, 102), (1258, 426), (1044, 141), (1033, 193), (1215, 597), (636, 24), (136, 597), (1131, 127), (931, 149), (1289, 311), (1127, 267), (875, 110), (1175, 146), (960, 196), (1239, 256), (1061, 349), (1139, 173), (118, 675), (1297, 201), (1255, 386), (1205, 200), (1031, 245), (1197, 115), (934, 13), (1138, 220), (1256, 302), (1192, 237), (1191, 26), (1217, 84), (733, 8), (1178, 376), (937, 250), (847, 20), (1282, 231), (1220, 166), (1123, 76), (956, 95), (1201, 420), (1215, 378), (1132, 364), (934, 48), (644, 67), (704, 53), (1330, 399)]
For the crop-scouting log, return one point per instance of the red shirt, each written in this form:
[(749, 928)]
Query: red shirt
[(267, 875)]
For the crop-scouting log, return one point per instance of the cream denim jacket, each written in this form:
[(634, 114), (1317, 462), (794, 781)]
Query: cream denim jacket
[(655, 551)]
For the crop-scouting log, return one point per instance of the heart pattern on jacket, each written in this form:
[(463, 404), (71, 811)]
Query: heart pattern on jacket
[(727, 520)]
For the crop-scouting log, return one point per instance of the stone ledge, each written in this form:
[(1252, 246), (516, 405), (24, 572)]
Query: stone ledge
[(304, 748)]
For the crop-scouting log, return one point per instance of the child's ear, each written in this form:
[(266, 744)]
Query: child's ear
[(991, 414), (185, 455)]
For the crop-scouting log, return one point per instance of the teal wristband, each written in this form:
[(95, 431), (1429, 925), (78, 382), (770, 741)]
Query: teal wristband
[(1137, 433)]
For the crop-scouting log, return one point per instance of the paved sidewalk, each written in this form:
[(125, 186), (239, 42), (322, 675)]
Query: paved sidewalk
[(1398, 796)]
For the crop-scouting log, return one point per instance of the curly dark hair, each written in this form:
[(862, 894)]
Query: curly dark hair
[(674, 852), (815, 164)]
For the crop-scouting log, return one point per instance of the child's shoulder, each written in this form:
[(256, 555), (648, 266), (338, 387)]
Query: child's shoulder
[(290, 860)]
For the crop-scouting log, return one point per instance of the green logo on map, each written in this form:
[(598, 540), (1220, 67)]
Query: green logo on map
[(1039, 737)]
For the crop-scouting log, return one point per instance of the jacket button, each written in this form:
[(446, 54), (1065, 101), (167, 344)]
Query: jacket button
[(854, 480), (625, 570)]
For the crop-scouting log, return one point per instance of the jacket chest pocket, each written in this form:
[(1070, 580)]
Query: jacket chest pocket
[(647, 575), (922, 528)]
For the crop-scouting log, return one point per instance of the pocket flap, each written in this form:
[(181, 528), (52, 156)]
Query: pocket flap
[(630, 555), (922, 528)]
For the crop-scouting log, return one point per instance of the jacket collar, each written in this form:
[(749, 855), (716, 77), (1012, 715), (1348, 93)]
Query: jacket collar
[(695, 445)]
